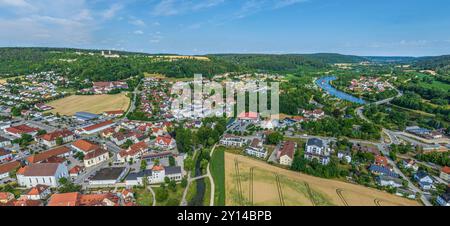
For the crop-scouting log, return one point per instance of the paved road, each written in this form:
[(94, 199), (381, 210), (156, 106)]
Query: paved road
[(393, 140), (133, 103)]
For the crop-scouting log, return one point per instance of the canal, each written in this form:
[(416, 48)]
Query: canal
[(325, 84)]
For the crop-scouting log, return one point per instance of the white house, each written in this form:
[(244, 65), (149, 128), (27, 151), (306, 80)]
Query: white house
[(443, 200), (317, 149), (50, 139), (42, 173), (387, 181), (6, 168), (425, 181), (39, 192), (256, 149), (96, 128), (155, 176), (134, 152), (233, 141), (166, 142), (410, 164), (347, 156), (4, 142), (445, 173), (95, 157), (286, 153)]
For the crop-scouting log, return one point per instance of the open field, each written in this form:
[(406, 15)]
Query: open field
[(163, 77), (217, 169), (177, 57), (94, 104), (252, 182), (3, 80)]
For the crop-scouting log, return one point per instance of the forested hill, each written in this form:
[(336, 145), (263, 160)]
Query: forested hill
[(286, 62), (89, 64), (438, 63)]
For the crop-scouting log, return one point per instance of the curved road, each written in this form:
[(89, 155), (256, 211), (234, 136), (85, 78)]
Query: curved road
[(393, 140)]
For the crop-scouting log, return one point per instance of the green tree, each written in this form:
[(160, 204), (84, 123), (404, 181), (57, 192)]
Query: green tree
[(143, 165)]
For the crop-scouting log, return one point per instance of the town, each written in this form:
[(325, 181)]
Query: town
[(149, 154)]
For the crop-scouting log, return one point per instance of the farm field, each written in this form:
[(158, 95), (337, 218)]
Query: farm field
[(251, 182), (96, 104)]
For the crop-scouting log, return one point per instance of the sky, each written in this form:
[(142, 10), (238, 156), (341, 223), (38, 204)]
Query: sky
[(358, 27)]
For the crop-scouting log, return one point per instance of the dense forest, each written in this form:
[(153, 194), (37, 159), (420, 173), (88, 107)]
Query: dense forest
[(89, 64), (440, 64)]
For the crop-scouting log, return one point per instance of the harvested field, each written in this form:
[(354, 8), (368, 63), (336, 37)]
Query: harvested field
[(96, 104), (252, 182)]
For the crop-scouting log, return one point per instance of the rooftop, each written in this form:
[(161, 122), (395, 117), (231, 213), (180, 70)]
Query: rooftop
[(108, 174)]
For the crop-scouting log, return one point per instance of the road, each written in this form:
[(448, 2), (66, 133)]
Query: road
[(393, 140), (133, 103)]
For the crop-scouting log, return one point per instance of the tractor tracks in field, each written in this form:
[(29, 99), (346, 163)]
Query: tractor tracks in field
[(341, 196), (280, 190)]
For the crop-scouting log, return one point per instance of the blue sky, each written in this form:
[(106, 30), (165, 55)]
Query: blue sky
[(360, 27)]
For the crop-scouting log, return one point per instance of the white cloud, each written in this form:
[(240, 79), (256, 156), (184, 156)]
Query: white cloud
[(138, 22), (251, 7), (16, 3), (138, 32), (176, 7), (112, 11)]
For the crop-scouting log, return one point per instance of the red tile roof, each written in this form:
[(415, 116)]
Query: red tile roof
[(8, 167), (446, 170), (166, 140), (48, 154), (94, 154), (248, 115), (20, 129), (288, 149), (134, 149), (75, 170), (99, 125), (118, 112), (39, 169), (52, 136), (39, 189), (85, 146), (65, 199), (381, 160)]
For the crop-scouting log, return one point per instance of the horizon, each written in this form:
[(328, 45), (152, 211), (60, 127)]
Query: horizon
[(199, 27), (219, 53)]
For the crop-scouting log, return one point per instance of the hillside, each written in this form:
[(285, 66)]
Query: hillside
[(438, 63)]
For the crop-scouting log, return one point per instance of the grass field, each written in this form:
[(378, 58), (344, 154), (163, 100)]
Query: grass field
[(251, 182), (218, 173), (174, 196), (143, 197), (163, 77), (94, 104), (3, 80)]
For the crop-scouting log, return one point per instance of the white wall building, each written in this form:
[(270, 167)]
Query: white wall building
[(42, 173)]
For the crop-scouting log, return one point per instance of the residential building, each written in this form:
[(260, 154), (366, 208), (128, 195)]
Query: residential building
[(6, 197), (256, 149), (286, 153), (84, 146), (17, 131), (317, 149), (5, 155), (381, 170), (41, 173), (444, 199), (445, 173), (155, 175), (4, 142), (249, 117), (96, 128), (410, 164), (50, 139), (7, 168), (166, 142), (388, 181), (233, 141), (60, 152), (425, 181), (39, 192), (135, 151), (346, 155), (77, 199), (95, 157)]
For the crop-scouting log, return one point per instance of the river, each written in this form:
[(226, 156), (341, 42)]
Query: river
[(325, 84), (197, 200)]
